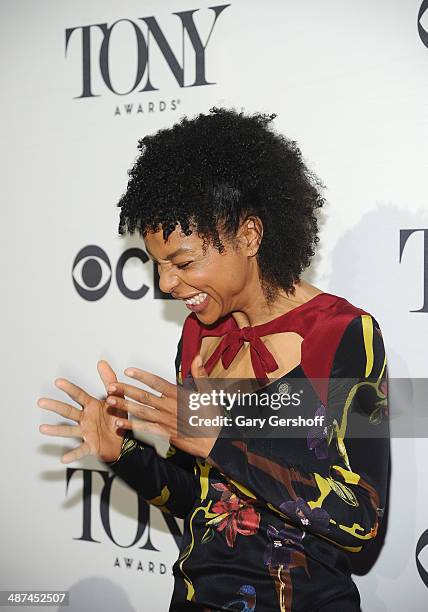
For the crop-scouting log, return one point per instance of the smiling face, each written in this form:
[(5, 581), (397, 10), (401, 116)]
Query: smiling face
[(211, 284)]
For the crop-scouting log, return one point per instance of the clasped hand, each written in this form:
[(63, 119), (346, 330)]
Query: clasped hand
[(164, 414), (101, 424)]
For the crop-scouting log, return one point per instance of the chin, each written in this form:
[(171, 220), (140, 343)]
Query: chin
[(209, 316), (206, 319)]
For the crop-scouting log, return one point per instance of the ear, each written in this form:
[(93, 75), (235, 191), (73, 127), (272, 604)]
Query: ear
[(251, 233)]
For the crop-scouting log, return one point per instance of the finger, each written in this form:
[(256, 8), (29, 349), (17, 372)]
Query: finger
[(142, 396), (199, 375), (106, 373), (206, 384), (135, 393), (77, 393), (157, 383), (123, 423), (144, 426), (76, 453), (65, 431), (138, 410), (66, 410)]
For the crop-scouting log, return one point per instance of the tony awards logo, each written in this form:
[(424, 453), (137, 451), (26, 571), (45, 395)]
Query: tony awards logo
[(94, 516), (139, 45)]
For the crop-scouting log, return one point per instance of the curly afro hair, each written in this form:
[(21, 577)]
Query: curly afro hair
[(210, 172)]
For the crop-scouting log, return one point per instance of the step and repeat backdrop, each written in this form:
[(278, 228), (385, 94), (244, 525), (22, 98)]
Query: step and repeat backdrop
[(82, 82)]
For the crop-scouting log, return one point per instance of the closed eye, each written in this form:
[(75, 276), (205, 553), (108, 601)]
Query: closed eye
[(184, 265)]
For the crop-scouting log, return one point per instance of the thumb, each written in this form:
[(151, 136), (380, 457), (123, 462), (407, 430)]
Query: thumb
[(197, 368), (199, 373), (107, 374)]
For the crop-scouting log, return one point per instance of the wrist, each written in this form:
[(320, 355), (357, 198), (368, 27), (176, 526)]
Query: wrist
[(128, 443)]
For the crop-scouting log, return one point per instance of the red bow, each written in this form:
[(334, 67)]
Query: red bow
[(261, 358)]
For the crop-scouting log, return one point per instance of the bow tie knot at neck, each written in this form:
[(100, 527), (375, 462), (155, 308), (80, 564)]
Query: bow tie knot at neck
[(261, 358), (248, 334)]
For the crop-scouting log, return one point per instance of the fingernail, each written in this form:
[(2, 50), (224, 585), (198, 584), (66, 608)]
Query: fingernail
[(119, 423), (111, 400), (112, 388)]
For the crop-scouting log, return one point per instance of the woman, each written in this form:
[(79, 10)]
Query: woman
[(227, 210)]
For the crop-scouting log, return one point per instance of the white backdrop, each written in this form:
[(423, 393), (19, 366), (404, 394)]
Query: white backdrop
[(349, 82)]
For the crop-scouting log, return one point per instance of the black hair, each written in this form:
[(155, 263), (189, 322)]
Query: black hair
[(210, 172)]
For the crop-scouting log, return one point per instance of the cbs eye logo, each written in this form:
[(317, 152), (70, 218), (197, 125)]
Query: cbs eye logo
[(421, 544), (423, 33), (92, 274)]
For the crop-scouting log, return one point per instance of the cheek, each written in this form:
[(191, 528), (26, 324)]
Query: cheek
[(222, 276), (231, 275), (235, 272)]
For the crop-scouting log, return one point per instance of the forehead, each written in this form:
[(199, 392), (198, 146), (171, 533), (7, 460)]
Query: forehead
[(176, 243)]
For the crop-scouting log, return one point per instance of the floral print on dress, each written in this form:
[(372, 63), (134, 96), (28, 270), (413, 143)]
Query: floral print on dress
[(282, 543), (235, 514), (316, 518), (317, 435), (247, 603), (381, 411)]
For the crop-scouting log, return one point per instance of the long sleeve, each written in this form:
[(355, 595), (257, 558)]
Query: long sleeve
[(168, 483), (337, 486)]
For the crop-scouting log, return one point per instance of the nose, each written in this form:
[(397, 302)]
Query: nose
[(168, 280)]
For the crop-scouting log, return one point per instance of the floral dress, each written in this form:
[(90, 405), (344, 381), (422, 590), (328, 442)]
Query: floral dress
[(271, 523)]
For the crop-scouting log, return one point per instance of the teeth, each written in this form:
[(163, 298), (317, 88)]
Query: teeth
[(196, 299)]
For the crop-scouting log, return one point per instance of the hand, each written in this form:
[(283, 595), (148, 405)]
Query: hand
[(158, 414), (96, 420)]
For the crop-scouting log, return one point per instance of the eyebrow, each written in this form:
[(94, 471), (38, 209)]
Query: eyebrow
[(179, 251)]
